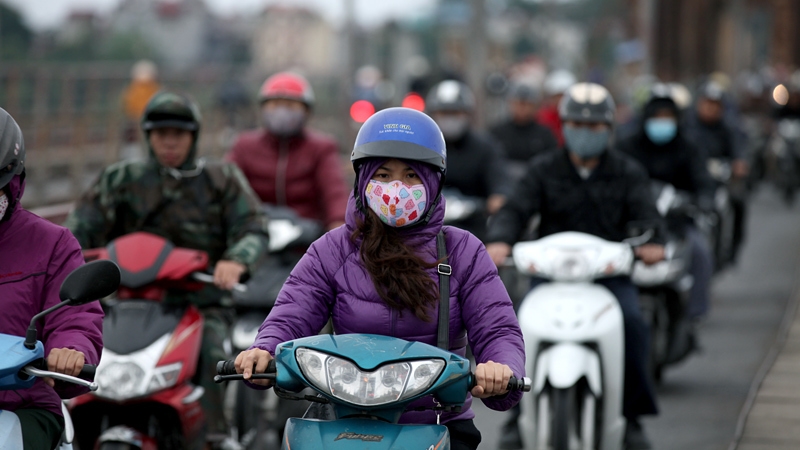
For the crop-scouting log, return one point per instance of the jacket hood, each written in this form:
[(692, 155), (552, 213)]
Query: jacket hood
[(649, 110), (16, 187), (417, 233)]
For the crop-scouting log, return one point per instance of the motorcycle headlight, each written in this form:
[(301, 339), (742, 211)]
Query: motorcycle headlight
[(571, 266), (388, 383), (124, 380), (164, 377), (120, 380)]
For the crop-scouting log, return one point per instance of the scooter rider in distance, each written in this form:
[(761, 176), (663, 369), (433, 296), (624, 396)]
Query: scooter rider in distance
[(476, 161), (286, 162), (589, 187), (173, 194), (41, 256)]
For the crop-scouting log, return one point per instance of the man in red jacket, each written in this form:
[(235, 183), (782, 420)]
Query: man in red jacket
[(286, 163)]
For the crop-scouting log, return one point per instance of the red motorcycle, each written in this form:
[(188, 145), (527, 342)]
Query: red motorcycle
[(147, 396)]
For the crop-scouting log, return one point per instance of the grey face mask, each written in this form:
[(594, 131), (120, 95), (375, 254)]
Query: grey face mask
[(453, 128), (586, 143), (284, 122)]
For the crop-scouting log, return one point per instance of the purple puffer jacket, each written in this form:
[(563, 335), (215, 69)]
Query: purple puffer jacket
[(330, 281), (39, 255)]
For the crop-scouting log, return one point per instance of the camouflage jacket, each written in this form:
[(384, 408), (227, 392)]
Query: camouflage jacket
[(215, 211)]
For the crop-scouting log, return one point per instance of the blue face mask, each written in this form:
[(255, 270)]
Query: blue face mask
[(661, 130), (584, 142)]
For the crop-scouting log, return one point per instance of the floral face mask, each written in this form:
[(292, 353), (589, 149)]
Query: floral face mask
[(396, 203)]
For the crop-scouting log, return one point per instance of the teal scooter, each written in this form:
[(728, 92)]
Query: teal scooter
[(368, 381)]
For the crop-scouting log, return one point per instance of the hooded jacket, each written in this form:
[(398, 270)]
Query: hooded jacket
[(44, 254), (209, 208), (331, 281), (678, 162), (302, 172)]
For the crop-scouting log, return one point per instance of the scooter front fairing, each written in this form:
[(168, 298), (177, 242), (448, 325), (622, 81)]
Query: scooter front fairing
[(350, 434)]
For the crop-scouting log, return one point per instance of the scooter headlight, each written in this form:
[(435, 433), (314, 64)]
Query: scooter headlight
[(571, 266), (120, 380), (388, 383), (164, 377)]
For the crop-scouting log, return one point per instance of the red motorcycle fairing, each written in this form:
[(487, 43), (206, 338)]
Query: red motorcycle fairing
[(177, 404), (150, 264), (164, 406)]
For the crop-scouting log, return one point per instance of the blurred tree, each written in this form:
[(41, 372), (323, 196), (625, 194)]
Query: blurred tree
[(15, 36), (126, 47)]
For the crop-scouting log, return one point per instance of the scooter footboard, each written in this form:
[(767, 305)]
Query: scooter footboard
[(348, 434), (10, 430)]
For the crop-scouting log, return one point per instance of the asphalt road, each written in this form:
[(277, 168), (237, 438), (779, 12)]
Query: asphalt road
[(701, 399)]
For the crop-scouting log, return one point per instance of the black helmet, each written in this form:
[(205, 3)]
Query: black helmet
[(587, 102), (12, 148), (450, 95), (661, 96), (170, 110)]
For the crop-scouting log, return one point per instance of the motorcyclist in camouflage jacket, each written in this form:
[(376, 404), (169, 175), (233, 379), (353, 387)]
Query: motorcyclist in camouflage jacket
[(173, 194)]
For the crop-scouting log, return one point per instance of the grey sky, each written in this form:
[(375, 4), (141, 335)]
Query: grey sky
[(42, 14)]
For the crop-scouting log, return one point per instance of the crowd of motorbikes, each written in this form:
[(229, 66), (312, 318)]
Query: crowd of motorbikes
[(145, 395)]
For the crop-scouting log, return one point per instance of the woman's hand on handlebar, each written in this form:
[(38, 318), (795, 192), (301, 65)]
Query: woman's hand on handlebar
[(252, 361), (650, 253), (64, 360), (491, 379)]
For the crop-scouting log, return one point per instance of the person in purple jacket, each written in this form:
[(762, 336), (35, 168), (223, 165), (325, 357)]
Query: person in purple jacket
[(43, 255), (377, 273)]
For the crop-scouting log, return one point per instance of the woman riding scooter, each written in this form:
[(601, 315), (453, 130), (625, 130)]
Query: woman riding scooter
[(377, 274), (44, 254)]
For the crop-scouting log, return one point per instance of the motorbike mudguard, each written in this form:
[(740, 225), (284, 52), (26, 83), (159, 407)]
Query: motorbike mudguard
[(10, 430), (563, 365), (362, 434)]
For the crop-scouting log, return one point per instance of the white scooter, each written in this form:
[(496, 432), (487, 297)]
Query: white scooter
[(573, 332)]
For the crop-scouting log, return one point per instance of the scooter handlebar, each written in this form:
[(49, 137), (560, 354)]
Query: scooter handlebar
[(519, 384), (88, 371), (226, 371)]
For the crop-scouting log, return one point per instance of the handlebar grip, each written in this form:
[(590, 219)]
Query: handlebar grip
[(88, 372), (229, 368), (519, 384), (226, 367)]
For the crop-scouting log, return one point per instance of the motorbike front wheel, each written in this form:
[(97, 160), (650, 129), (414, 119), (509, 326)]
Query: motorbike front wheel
[(567, 419)]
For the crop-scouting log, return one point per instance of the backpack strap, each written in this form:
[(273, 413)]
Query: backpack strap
[(445, 271)]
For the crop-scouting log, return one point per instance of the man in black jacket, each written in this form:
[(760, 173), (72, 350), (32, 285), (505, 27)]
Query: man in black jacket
[(521, 135), (589, 188), (710, 129), (669, 157), (475, 161)]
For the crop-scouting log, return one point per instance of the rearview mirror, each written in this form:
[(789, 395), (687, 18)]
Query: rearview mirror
[(89, 282)]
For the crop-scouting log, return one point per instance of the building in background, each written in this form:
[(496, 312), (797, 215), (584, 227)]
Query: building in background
[(177, 30), (296, 38)]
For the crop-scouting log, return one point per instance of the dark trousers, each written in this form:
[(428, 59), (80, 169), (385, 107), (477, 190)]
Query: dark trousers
[(41, 430), (463, 435), (638, 396)]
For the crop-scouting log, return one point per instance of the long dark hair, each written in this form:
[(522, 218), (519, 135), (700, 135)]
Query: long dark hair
[(398, 273)]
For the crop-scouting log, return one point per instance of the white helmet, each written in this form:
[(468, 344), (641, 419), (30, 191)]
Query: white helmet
[(558, 81)]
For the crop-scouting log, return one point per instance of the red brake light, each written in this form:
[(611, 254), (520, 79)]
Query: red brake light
[(414, 101), (361, 110)]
